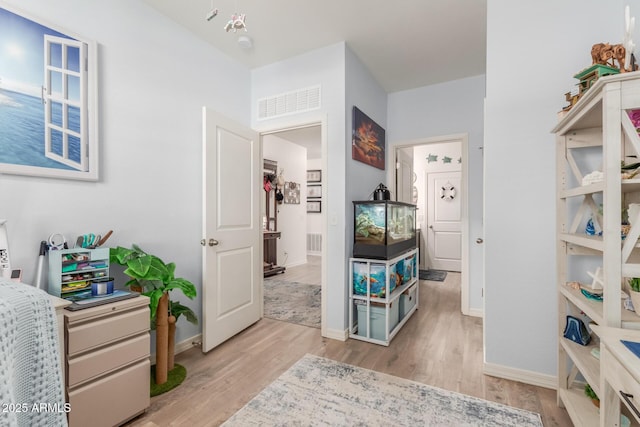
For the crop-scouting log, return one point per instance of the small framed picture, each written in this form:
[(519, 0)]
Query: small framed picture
[(314, 206), (314, 191), (314, 175)]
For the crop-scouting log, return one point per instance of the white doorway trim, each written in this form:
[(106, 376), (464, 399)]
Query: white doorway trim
[(291, 124), (463, 138)]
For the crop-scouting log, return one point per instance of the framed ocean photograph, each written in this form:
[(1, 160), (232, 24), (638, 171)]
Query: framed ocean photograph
[(48, 99), (368, 140)]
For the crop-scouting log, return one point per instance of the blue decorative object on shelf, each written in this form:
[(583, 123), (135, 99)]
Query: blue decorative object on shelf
[(591, 229), (576, 331), (591, 295)]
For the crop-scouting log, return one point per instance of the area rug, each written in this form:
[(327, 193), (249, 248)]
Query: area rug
[(316, 391), (292, 302), (435, 275)]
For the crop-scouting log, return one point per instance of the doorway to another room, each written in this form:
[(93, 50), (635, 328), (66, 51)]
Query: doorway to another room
[(293, 225), (432, 174)]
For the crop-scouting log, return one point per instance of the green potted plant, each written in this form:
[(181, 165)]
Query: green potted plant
[(592, 395), (634, 292), (155, 279)]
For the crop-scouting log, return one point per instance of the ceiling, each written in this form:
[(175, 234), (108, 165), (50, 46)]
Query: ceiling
[(308, 137), (405, 44)]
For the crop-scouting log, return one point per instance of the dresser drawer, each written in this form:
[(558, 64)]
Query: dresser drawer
[(105, 329), (106, 359), (620, 379), (111, 400)]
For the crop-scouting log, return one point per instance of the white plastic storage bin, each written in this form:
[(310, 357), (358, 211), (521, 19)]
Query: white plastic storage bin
[(377, 319), (407, 301)]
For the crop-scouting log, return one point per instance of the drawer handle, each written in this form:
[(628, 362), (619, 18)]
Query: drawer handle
[(627, 398)]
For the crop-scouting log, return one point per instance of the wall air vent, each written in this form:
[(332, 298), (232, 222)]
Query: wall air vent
[(284, 104)]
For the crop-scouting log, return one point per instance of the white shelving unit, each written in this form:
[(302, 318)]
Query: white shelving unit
[(596, 134), (369, 305)]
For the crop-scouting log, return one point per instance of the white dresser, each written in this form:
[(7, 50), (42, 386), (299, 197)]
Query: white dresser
[(107, 362)]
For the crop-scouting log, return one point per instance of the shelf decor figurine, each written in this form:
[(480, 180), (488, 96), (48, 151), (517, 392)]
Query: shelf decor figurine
[(576, 331), (598, 280), (606, 59)]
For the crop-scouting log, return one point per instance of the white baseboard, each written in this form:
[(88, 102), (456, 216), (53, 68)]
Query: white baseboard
[(189, 343), (182, 346), (527, 377), (475, 312), (295, 263), (336, 334)]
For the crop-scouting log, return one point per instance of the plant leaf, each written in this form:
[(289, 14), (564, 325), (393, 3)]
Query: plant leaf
[(154, 297), (187, 288), (178, 309)]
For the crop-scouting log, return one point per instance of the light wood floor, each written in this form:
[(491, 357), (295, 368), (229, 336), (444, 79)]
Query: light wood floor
[(309, 273), (437, 346)]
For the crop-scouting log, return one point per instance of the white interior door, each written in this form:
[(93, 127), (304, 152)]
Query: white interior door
[(444, 237), (404, 175), (232, 260)]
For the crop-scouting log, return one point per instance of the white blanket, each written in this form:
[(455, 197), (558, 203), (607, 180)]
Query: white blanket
[(31, 388)]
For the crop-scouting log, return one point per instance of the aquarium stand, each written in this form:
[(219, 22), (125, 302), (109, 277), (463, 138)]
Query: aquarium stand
[(383, 295)]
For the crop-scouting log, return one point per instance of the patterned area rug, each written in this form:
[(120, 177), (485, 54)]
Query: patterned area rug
[(435, 275), (292, 302), (317, 391)]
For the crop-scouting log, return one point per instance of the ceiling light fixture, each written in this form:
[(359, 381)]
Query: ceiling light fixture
[(245, 42), (236, 23)]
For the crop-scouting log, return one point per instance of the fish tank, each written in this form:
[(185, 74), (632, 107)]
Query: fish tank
[(383, 229)]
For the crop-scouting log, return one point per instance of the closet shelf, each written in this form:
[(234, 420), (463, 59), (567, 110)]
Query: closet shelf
[(588, 365), (580, 408), (585, 240), (582, 190)]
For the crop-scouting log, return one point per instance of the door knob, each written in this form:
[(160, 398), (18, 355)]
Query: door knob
[(212, 242), (479, 240)]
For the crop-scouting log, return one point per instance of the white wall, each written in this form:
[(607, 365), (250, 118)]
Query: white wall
[(345, 82), (445, 109), (528, 72), (326, 67), (364, 92), (154, 78), (292, 218)]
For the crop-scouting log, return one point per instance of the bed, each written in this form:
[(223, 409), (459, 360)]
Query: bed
[(31, 376)]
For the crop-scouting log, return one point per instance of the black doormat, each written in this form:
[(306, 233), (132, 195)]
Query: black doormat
[(435, 275)]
